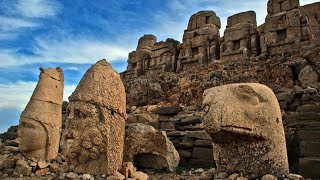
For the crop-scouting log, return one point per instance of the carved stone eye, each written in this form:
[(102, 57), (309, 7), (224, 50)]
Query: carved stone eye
[(79, 114)]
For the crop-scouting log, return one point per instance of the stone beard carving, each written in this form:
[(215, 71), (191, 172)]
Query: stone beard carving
[(244, 121), (40, 122), (94, 136)]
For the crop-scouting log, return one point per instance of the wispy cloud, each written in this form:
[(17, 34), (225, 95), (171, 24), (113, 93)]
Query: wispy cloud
[(72, 68), (20, 93), (12, 24), (72, 50), (18, 96), (14, 98), (37, 8)]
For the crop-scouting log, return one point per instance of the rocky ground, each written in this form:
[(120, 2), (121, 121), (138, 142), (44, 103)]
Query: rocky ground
[(14, 166)]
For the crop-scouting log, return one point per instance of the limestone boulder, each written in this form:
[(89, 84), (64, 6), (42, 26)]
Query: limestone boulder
[(149, 148), (245, 123), (308, 77)]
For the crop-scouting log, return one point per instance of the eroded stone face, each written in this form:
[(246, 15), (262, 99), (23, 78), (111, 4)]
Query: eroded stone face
[(33, 135), (244, 121), (93, 139), (40, 122)]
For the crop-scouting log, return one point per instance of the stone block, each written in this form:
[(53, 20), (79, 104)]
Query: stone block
[(202, 153), (309, 149), (186, 143), (168, 110), (203, 143), (189, 120), (309, 108), (309, 167), (285, 96), (232, 34), (309, 116), (243, 17), (184, 153), (198, 135), (167, 126), (202, 162), (309, 135), (189, 35)]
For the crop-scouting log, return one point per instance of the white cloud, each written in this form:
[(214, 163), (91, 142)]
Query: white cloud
[(12, 24), (37, 8), (68, 50), (77, 50), (72, 68), (68, 90), (16, 95), (304, 2)]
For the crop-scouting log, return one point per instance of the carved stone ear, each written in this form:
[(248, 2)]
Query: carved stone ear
[(59, 69), (247, 88), (41, 69)]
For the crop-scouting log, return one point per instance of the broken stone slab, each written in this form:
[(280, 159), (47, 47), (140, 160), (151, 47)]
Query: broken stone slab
[(176, 134), (285, 96), (202, 163), (198, 135), (310, 148), (149, 148), (168, 110), (203, 143), (202, 153), (190, 120), (184, 153), (309, 135), (309, 108)]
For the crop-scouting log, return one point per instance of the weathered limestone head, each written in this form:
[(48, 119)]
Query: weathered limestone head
[(244, 121), (146, 41), (93, 140), (203, 19), (40, 122)]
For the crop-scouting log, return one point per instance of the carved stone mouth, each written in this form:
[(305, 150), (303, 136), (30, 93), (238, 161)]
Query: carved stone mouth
[(229, 133)]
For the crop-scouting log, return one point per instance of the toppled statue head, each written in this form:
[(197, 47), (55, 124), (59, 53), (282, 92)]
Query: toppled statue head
[(94, 135), (40, 122), (244, 121)]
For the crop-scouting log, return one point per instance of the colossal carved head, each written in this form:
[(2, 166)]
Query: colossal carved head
[(40, 122), (244, 121), (93, 140)]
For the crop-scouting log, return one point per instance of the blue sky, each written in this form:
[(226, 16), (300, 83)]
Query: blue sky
[(74, 34)]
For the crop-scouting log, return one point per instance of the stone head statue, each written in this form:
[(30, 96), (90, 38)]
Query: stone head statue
[(244, 121), (40, 122), (94, 136)]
